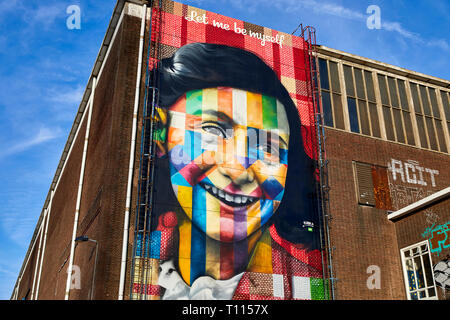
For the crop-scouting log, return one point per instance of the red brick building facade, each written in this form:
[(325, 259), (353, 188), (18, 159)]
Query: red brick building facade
[(386, 145)]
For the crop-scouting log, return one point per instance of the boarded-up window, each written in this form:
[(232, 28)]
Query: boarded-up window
[(381, 189), (372, 186), (364, 184)]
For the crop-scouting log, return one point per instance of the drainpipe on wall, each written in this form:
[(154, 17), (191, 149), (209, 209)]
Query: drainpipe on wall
[(132, 157), (39, 253), (49, 210), (80, 188)]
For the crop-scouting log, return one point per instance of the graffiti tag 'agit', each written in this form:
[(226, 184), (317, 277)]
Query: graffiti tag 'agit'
[(439, 239), (411, 172)]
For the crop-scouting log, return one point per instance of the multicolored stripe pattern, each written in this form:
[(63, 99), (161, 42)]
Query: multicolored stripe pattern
[(231, 142), (277, 268)]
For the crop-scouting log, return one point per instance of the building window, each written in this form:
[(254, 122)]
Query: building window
[(331, 94), (361, 103), (429, 120), (396, 110), (418, 273), (400, 114), (446, 104)]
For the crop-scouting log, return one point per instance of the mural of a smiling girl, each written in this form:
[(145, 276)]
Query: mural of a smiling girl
[(235, 187)]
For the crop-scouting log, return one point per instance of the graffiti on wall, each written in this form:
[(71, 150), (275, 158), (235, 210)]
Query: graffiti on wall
[(439, 237), (442, 273), (407, 182), (404, 195), (431, 217), (234, 213), (412, 172)]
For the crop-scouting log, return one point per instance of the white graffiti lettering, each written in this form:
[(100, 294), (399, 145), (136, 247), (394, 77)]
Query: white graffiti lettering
[(411, 172)]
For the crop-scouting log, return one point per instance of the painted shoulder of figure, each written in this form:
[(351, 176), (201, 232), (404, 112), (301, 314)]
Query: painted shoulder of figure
[(312, 258)]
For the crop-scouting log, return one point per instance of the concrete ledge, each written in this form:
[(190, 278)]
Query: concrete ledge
[(420, 204)]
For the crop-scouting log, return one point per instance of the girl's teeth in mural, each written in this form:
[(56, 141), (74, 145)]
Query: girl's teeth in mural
[(228, 197)]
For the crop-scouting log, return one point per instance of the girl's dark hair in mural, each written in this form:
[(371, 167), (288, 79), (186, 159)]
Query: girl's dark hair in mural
[(200, 65)]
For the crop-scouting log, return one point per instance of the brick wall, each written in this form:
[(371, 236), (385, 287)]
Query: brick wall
[(363, 235), (106, 174), (412, 229), (102, 206), (57, 250), (26, 284)]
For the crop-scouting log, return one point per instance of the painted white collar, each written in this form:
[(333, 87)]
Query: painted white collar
[(203, 288)]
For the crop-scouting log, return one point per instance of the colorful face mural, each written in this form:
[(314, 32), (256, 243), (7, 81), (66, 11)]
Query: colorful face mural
[(228, 159), (231, 217)]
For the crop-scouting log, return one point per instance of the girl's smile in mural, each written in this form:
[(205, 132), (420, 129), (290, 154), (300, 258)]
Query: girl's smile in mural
[(227, 150)]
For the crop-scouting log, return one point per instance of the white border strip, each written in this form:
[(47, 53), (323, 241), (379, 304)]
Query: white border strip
[(41, 233), (49, 210), (126, 223), (420, 204), (111, 43), (80, 189)]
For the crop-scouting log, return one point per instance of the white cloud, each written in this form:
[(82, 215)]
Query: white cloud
[(346, 13), (64, 103), (333, 9), (72, 96), (397, 27), (440, 43), (44, 135)]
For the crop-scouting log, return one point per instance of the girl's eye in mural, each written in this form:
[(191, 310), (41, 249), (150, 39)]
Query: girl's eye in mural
[(271, 154), (216, 129), (269, 147)]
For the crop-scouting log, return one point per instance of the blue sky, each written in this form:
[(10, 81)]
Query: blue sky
[(44, 68)]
